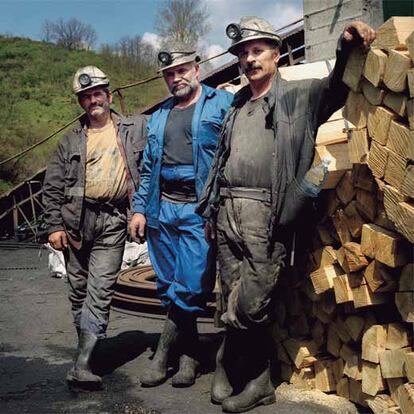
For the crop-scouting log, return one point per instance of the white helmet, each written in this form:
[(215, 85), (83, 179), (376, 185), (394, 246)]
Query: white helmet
[(87, 78)]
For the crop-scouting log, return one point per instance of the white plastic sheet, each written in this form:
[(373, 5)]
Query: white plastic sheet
[(135, 254)]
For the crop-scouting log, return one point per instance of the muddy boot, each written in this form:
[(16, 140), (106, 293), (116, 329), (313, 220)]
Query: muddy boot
[(189, 349), (81, 375), (221, 387), (156, 373), (259, 389)]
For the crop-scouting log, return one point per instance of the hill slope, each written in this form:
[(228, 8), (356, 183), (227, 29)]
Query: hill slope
[(36, 91)]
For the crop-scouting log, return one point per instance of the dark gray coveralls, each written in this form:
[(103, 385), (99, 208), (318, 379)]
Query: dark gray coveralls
[(96, 230), (252, 232)]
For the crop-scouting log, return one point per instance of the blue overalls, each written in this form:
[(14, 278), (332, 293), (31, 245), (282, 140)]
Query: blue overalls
[(181, 257)]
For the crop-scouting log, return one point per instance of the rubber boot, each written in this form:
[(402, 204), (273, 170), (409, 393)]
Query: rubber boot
[(156, 373), (259, 389), (221, 387), (189, 351), (81, 375)]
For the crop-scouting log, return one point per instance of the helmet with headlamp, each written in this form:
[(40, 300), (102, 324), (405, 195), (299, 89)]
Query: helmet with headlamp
[(176, 53), (89, 77), (251, 28)]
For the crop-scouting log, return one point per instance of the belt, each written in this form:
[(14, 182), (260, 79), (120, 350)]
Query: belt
[(259, 194), (106, 206)]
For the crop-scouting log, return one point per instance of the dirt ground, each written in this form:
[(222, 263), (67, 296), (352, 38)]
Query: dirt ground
[(37, 344)]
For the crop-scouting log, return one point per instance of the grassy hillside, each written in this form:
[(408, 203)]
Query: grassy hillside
[(37, 98)]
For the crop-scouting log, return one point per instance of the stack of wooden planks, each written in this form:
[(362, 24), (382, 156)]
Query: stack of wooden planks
[(381, 107), (344, 320)]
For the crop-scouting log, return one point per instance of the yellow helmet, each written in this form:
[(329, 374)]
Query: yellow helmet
[(89, 77)]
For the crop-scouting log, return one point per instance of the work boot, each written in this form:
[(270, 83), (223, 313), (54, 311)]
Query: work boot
[(255, 349), (221, 387), (81, 375), (156, 373), (259, 391), (189, 350)]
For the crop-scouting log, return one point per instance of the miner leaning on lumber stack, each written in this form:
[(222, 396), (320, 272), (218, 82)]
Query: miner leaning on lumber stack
[(259, 186)]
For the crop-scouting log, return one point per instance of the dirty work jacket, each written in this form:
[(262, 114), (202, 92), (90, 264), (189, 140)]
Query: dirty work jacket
[(207, 120), (295, 111), (64, 183)]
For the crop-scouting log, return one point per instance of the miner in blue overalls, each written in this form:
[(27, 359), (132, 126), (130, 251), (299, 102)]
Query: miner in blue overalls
[(182, 138)]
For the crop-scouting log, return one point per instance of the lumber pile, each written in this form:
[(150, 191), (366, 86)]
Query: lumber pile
[(381, 107), (344, 317)]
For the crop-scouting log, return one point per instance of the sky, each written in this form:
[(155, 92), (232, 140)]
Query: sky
[(114, 19)]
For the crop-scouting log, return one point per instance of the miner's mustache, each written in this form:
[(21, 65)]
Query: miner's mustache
[(252, 66)]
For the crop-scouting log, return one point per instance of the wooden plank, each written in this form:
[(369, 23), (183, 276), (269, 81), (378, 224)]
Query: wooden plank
[(353, 219), (299, 350), (364, 296), (373, 342), (342, 289), (377, 159), (356, 109), (406, 282), (325, 256), (398, 64), (387, 247), (397, 336), (324, 378), (345, 190), (381, 404), (358, 146), (354, 68), (393, 384), (395, 169), (318, 333), (355, 258), (353, 366), (332, 132), (410, 45), (405, 305), (342, 388), (340, 224), (375, 96), (379, 122), (410, 111), (375, 64), (392, 362), (366, 203), (355, 325), (379, 277), (397, 102), (406, 398), (392, 198), (355, 393), (407, 185), (303, 378), (338, 153), (372, 381), (394, 33), (401, 140), (409, 366), (322, 278), (410, 81), (404, 220)]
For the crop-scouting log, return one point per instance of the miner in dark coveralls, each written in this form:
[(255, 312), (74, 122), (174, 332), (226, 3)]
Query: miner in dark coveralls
[(255, 193), (86, 193)]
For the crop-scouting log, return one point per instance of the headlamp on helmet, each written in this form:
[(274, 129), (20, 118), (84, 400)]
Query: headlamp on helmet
[(233, 31)]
